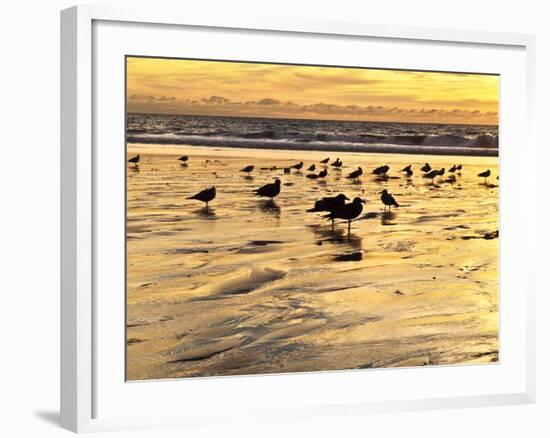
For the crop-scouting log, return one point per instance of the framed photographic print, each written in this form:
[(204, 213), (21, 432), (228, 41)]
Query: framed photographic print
[(291, 217)]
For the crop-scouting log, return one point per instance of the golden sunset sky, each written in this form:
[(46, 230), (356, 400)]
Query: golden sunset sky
[(175, 86)]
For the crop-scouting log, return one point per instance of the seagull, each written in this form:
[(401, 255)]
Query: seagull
[(431, 175), (298, 166), (183, 158), (459, 167), (426, 168), (134, 160), (453, 168), (382, 170), (347, 212), (248, 169), (407, 170), (205, 195), (355, 174), (388, 200), (485, 175), (321, 174), (269, 190), (311, 168), (337, 163), (329, 203), (325, 161)]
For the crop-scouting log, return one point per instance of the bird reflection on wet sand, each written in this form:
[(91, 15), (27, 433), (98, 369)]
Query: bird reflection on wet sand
[(206, 212), (269, 206), (387, 217)]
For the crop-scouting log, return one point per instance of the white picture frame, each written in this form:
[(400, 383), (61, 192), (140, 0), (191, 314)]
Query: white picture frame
[(81, 370)]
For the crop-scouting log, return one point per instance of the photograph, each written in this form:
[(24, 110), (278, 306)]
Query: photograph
[(290, 218)]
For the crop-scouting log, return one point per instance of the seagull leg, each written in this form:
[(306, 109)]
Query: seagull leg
[(349, 226)]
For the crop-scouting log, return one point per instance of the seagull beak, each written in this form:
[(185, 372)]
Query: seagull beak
[(346, 198), (364, 201)]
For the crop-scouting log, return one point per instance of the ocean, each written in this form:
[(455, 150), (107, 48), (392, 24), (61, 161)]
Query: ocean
[(314, 135)]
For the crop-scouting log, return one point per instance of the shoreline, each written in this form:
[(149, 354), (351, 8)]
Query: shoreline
[(280, 154), (284, 147)]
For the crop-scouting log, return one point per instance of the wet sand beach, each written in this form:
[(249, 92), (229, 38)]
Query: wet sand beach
[(253, 286)]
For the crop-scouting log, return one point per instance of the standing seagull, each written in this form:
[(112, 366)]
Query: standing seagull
[(347, 212), (388, 200), (298, 166), (426, 168), (134, 160), (321, 174), (183, 158), (325, 161), (485, 175), (452, 169), (269, 190), (355, 174), (382, 170), (337, 163), (329, 203), (248, 169), (407, 170), (431, 175), (311, 168), (205, 195)]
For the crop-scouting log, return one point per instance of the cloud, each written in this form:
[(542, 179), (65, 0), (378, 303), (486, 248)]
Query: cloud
[(216, 100), (268, 101), (270, 107)]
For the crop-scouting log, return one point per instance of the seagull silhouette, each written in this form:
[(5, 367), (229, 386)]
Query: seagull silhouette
[(408, 170), (321, 174), (205, 195), (388, 200), (426, 168), (347, 212), (298, 166), (325, 161), (382, 170), (485, 175), (329, 203), (337, 163), (355, 174), (311, 168), (134, 160), (431, 175), (269, 190), (248, 169), (183, 158)]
